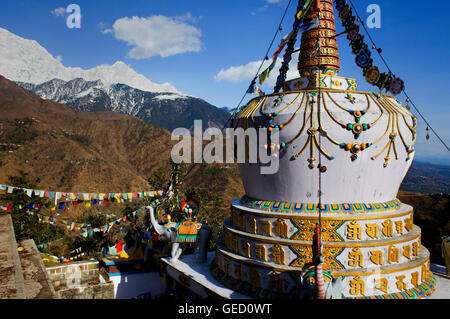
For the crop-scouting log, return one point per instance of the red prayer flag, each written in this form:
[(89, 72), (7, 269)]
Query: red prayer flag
[(317, 5), (119, 246)]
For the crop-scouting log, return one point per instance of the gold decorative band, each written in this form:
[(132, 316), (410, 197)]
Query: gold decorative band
[(331, 52), (314, 62), (314, 33), (247, 280), (326, 15), (324, 24), (326, 6), (288, 215), (411, 236), (421, 260), (324, 42), (290, 207)]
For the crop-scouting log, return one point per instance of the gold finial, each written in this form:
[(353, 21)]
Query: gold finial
[(319, 46)]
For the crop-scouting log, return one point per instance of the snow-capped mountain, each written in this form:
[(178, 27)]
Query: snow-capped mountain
[(93, 96), (114, 87), (23, 60), (170, 110)]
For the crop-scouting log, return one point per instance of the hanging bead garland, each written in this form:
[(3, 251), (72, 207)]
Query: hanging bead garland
[(354, 148), (278, 100), (363, 58), (350, 98)]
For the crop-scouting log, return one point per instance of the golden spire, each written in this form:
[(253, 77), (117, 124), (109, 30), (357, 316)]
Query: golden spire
[(328, 57)]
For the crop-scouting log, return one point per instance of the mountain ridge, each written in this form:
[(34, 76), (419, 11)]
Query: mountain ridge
[(25, 60), (166, 109)]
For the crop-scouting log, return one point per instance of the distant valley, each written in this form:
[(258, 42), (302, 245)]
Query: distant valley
[(427, 178)]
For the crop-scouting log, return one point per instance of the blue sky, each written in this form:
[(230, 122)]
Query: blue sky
[(217, 35)]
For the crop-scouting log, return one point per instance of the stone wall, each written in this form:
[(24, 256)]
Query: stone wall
[(80, 280), (99, 291)]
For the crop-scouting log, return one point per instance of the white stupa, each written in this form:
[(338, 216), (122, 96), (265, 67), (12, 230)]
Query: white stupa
[(362, 145)]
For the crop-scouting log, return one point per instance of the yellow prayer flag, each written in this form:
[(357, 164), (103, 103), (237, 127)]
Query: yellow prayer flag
[(262, 76)]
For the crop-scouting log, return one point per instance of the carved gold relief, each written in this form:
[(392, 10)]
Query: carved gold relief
[(387, 228), (424, 272), (372, 231), (260, 252), (355, 258), (266, 226), (400, 284), (407, 251), (409, 223), (306, 229), (419, 246), (252, 225), (415, 248), (353, 231), (399, 227), (305, 256), (381, 284), (392, 254), (376, 257), (281, 227), (356, 286), (278, 255), (415, 278), (276, 282), (245, 246)]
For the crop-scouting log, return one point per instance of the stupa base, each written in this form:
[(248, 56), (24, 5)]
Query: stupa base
[(375, 250), (209, 281), (355, 285)]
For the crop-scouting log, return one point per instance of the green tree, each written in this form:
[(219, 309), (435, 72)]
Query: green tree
[(159, 178), (28, 226)]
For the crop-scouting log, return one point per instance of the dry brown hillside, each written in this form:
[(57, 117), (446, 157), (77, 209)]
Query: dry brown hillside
[(78, 151), (74, 150)]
